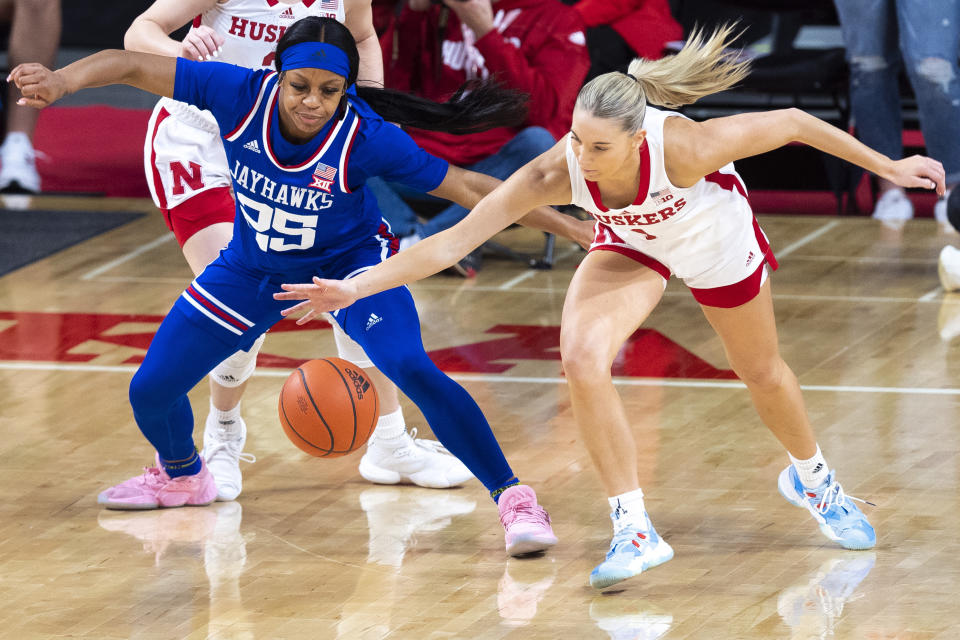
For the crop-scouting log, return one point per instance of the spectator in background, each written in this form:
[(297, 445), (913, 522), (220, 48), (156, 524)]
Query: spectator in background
[(34, 37), (534, 46), (882, 35), (620, 30)]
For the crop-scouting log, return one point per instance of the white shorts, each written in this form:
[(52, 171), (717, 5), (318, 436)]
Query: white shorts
[(723, 264), (183, 154)]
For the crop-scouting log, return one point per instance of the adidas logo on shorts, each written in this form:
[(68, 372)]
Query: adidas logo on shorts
[(252, 146), (372, 320)]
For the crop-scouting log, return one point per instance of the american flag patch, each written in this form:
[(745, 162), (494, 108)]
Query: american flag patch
[(324, 171), (329, 5), (661, 196)]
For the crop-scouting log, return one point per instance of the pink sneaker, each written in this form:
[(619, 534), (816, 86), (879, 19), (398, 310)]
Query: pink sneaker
[(154, 489), (526, 523)]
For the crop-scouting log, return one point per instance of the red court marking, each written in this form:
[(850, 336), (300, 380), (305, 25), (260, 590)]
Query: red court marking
[(51, 337)]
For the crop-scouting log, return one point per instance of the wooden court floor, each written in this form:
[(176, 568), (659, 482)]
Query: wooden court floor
[(310, 550)]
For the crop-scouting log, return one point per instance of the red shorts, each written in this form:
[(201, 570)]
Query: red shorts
[(202, 210)]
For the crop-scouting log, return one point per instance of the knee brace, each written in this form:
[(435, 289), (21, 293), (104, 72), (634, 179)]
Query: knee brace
[(236, 369), (347, 348)]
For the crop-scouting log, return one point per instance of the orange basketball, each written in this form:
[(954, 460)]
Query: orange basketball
[(328, 407)]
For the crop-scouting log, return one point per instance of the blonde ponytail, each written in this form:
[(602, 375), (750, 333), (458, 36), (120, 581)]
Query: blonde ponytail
[(702, 67)]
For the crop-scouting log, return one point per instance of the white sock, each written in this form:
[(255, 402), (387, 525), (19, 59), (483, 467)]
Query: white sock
[(227, 420), (812, 472), (628, 507), (390, 426)]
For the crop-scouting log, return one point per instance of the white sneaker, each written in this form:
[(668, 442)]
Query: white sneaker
[(18, 165), (423, 462), (223, 451), (948, 268), (893, 206)]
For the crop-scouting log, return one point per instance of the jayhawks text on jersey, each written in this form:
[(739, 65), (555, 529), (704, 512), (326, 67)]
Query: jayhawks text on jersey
[(301, 204)]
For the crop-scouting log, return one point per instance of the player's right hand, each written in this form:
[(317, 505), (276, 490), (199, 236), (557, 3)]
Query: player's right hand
[(918, 171), (38, 85), (201, 43), (318, 297)]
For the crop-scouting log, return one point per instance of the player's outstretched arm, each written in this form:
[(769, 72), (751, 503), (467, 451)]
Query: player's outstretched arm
[(534, 185), (467, 188), (697, 149), (41, 87)]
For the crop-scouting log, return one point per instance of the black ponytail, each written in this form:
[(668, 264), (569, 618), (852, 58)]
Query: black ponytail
[(477, 106)]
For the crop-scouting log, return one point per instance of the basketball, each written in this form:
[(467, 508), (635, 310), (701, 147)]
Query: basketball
[(328, 407)]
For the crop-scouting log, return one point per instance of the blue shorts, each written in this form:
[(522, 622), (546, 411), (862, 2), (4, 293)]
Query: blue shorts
[(235, 304)]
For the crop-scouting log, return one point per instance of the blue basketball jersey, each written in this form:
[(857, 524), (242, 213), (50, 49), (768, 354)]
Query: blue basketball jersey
[(301, 206)]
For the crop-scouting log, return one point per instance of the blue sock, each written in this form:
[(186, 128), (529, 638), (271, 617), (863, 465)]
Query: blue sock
[(187, 467)]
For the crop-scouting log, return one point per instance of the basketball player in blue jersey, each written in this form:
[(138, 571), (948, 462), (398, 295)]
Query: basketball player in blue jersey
[(190, 182), (300, 145), (667, 200)]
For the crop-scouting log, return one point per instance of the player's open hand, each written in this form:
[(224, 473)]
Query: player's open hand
[(319, 297), (920, 172), (38, 85), (201, 43)]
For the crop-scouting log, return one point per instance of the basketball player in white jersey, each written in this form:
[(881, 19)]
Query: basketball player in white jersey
[(667, 201), (189, 180)]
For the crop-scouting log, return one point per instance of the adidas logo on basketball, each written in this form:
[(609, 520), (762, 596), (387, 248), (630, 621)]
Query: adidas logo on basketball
[(252, 146), (360, 383), (372, 320)]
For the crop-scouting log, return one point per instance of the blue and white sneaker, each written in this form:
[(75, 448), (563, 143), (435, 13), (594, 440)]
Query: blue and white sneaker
[(634, 549), (839, 519)]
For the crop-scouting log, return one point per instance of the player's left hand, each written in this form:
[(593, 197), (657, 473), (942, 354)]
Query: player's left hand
[(919, 172), (320, 297), (39, 86)]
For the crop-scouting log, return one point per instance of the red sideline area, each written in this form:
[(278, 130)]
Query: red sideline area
[(99, 149), (96, 150)]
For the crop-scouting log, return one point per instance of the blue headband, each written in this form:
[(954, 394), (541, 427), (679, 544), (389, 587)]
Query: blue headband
[(315, 55)]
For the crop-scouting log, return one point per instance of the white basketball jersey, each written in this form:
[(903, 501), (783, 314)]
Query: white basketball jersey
[(681, 227), (253, 27)]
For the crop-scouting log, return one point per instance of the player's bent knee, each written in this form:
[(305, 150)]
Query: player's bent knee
[(238, 368), (762, 376), (585, 369), (146, 396)]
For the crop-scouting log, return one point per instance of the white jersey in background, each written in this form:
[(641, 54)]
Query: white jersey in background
[(253, 27), (705, 234), (183, 153)]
